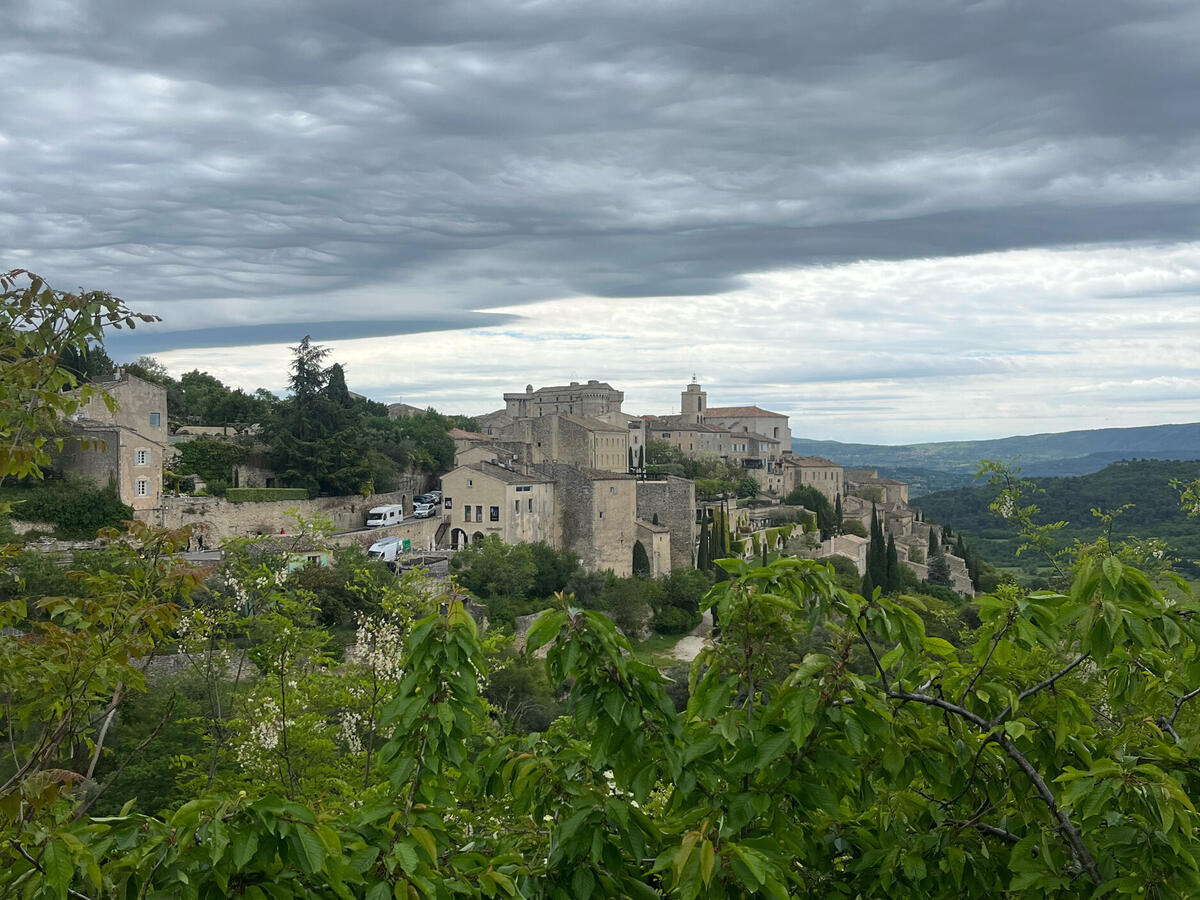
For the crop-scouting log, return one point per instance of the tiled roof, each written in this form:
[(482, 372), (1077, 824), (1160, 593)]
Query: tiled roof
[(811, 461), (508, 476), (592, 424), (728, 412), (460, 435)]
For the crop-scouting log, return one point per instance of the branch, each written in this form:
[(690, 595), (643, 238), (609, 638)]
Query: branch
[(867, 641), (996, 832), (1072, 833), (1080, 851), (37, 865), (1179, 705), (995, 641), (1040, 686), (88, 804)]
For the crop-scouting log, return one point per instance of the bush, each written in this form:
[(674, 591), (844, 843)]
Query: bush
[(76, 508), (264, 495), (673, 620)]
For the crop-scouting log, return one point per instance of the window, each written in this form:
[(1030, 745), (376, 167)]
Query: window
[(467, 513), (612, 490), (479, 514), (602, 514), (470, 482), (314, 560), (531, 504), (447, 503), (142, 487), (155, 419), (517, 507), (141, 457), (494, 513), (776, 434)]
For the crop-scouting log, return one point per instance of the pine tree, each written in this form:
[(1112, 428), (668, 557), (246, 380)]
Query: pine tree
[(893, 566), (939, 570)]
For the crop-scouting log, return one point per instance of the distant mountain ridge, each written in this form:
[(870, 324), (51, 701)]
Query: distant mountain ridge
[(1051, 453)]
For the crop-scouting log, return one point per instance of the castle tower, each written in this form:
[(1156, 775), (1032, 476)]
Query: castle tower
[(692, 403)]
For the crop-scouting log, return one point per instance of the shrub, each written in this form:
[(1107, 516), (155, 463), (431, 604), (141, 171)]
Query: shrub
[(76, 508), (264, 495)]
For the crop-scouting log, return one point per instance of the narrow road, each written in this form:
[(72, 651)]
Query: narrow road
[(690, 645)]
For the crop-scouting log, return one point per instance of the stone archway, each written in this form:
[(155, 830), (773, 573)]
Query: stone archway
[(458, 539), (477, 537)]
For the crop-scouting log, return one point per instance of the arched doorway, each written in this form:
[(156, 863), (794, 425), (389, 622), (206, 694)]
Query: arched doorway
[(477, 537), (458, 539)]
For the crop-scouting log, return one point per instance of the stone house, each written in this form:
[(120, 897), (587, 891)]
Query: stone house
[(482, 498), (672, 501), (813, 471), (597, 512), (656, 541), (751, 419), (126, 445), (581, 441)]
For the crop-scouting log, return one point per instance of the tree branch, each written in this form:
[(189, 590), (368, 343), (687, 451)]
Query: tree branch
[(1040, 686), (37, 865), (991, 650), (1179, 705), (1073, 837), (88, 804), (866, 640)]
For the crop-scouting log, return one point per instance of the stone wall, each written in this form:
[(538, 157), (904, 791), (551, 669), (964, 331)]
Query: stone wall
[(674, 502), (224, 519), (420, 533), (597, 512), (656, 540)]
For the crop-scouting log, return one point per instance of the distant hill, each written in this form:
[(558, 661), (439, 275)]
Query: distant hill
[(1144, 483), (1061, 453)]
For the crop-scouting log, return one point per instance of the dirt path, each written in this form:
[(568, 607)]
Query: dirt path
[(690, 645)]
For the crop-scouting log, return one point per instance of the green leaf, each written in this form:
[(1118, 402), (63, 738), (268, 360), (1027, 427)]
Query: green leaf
[(56, 860)]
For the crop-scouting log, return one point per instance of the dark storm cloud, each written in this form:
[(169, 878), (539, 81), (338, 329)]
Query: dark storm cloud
[(197, 155)]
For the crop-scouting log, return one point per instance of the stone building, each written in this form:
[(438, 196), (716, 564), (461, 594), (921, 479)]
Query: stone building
[(126, 445), (814, 471), (483, 498), (597, 513), (751, 419), (672, 501), (656, 541), (581, 441), (596, 398)]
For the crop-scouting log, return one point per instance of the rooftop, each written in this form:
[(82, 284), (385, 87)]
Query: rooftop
[(811, 461), (591, 423), (500, 473), (727, 412)]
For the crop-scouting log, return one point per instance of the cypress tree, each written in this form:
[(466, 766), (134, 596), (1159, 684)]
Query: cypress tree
[(960, 549), (893, 566), (764, 552), (877, 552), (933, 542), (702, 549), (630, 459), (641, 560), (642, 457), (868, 586), (837, 513)]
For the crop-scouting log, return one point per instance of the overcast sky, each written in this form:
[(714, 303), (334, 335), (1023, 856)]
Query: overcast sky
[(893, 221)]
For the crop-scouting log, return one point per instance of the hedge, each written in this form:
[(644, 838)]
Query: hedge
[(262, 495)]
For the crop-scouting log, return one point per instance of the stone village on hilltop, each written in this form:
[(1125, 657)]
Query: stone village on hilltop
[(561, 464)]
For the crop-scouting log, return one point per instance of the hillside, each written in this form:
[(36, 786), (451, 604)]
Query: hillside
[(1060, 453), (1144, 483)]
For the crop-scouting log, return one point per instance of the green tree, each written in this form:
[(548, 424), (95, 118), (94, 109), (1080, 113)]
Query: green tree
[(641, 561), (939, 569), (892, 566)]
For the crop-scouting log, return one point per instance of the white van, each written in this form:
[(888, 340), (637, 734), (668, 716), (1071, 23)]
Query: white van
[(392, 514), (386, 549)]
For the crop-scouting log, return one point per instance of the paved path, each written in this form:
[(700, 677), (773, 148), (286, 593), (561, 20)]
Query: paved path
[(689, 646)]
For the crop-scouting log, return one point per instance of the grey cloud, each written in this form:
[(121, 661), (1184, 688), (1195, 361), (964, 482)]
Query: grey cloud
[(485, 154)]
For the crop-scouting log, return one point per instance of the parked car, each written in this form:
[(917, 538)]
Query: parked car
[(424, 510), (435, 497)]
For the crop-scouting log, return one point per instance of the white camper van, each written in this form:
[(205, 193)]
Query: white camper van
[(392, 514), (386, 550)]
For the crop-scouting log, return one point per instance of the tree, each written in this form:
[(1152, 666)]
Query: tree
[(934, 543), (939, 569), (641, 561), (38, 325), (893, 566)]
